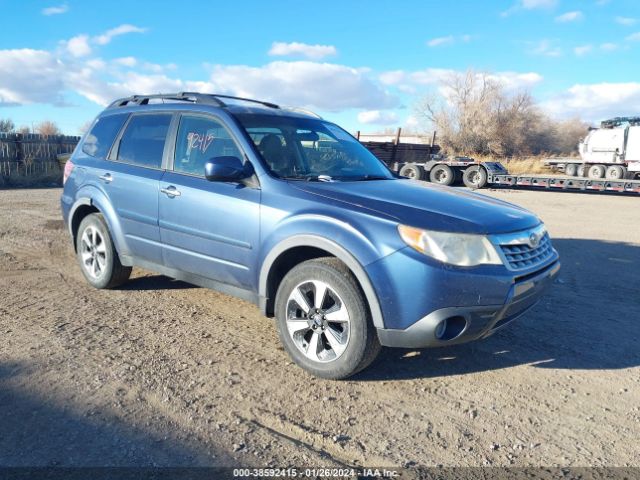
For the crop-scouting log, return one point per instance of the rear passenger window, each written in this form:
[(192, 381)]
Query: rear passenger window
[(99, 140), (200, 139), (143, 141)]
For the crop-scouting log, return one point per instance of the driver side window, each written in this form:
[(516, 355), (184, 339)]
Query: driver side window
[(200, 139)]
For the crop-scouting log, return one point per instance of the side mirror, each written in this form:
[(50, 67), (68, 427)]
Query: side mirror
[(225, 169)]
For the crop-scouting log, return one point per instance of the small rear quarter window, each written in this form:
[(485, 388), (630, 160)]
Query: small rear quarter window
[(99, 140)]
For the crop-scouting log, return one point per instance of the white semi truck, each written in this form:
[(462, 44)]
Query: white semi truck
[(611, 152)]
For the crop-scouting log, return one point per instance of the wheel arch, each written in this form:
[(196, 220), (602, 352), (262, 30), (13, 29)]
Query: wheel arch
[(305, 247), (90, 201)]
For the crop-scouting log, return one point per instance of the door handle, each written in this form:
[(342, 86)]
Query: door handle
[(107, 178), (171, 191)]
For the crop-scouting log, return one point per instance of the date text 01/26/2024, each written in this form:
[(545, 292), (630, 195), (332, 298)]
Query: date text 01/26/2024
[(315, 473)]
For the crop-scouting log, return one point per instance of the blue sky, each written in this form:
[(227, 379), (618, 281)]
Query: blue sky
[(363, 64)]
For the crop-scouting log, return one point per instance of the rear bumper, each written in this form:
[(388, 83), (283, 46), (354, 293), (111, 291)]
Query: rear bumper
[(471, 323)]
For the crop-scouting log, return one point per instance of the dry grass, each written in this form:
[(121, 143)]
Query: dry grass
[(521, 165)]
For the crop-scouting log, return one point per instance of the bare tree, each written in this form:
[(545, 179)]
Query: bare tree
[(47, 127), (475, 114), (6, 125), (24, 130)]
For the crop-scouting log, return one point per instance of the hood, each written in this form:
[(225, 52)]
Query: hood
[(426, 205)]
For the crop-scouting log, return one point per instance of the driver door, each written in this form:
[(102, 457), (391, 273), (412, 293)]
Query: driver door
[(207, 228)]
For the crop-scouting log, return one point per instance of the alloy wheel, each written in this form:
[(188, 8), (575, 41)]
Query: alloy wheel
[(318, 321)]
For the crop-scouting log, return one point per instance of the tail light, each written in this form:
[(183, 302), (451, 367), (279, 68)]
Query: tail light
[(68, 168)]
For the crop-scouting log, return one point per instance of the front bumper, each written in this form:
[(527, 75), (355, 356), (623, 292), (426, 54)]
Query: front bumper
[(473, 322)]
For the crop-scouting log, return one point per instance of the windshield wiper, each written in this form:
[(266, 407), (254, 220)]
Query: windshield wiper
[(309, 178)]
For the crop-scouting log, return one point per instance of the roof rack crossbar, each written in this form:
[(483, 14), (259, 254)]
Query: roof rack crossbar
[(194, 97)]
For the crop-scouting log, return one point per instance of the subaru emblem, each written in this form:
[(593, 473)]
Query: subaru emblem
[(534, 240)]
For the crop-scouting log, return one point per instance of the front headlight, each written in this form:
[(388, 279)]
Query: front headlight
[(458, 249)]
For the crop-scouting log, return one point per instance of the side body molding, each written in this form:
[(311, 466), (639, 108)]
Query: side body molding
[(331, 247)]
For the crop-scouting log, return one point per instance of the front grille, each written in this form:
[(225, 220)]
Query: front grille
[(521, 256)]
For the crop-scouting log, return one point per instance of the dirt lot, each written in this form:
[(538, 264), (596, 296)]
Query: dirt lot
[(164, 373)]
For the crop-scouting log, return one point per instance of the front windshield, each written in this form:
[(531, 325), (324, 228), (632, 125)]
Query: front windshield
[(311, 149)]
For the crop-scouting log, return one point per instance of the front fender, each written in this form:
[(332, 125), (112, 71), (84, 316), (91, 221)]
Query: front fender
[(91, 195), (338, 238)]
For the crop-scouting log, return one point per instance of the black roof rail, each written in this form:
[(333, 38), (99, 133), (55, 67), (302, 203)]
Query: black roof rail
[(194, 97)]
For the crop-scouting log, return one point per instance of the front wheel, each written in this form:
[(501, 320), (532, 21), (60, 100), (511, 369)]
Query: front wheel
[(97, 256), (323, 320)]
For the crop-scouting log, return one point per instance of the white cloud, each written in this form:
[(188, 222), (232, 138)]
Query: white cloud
[(545, 48), (411, 81), (529, 5), (126, 61), (582, 50), (107, 36), (313, 52), (56, 10), (323, 86), (634, 37), (438, 41), (30, 76), (594, 102), (96, 64), (78, 46), (627, 21), (608, 47), (377, 117), (570, 17)]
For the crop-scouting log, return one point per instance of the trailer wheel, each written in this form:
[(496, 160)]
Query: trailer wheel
[(615, 172), (412, 171), (571, 169), (442, 174), (596, 171), (580, 171), (475, 177)]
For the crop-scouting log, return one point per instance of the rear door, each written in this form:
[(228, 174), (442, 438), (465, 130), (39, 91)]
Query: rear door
[(207, 228), (131, 179)]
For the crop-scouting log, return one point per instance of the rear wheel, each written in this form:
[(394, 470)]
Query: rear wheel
[(571, 169), (475, 177), (615, 172), (323, 320), (412, 171), (580, 171), (442, 174), (596, 171), (98, 258)]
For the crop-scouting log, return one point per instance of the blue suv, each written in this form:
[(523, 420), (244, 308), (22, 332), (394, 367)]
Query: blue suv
[(287, 210)]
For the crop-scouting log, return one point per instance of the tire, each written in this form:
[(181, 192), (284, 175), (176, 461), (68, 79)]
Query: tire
[(596, 171), (342, 348), (412, 171), (571, 169), (615, 172), (475, 177), (442, 175), (97, 256), (580, 171)]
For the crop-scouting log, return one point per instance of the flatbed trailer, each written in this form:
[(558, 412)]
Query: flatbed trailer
[(498, 176)]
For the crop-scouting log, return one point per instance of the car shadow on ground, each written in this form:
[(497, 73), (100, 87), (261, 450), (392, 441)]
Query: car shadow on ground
[(37, 431), (156, 282), (588, 320)]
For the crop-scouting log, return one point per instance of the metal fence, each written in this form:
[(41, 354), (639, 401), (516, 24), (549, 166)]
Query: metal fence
[(33, 154)]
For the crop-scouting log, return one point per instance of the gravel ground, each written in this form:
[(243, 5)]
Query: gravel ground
[(161, 373)]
